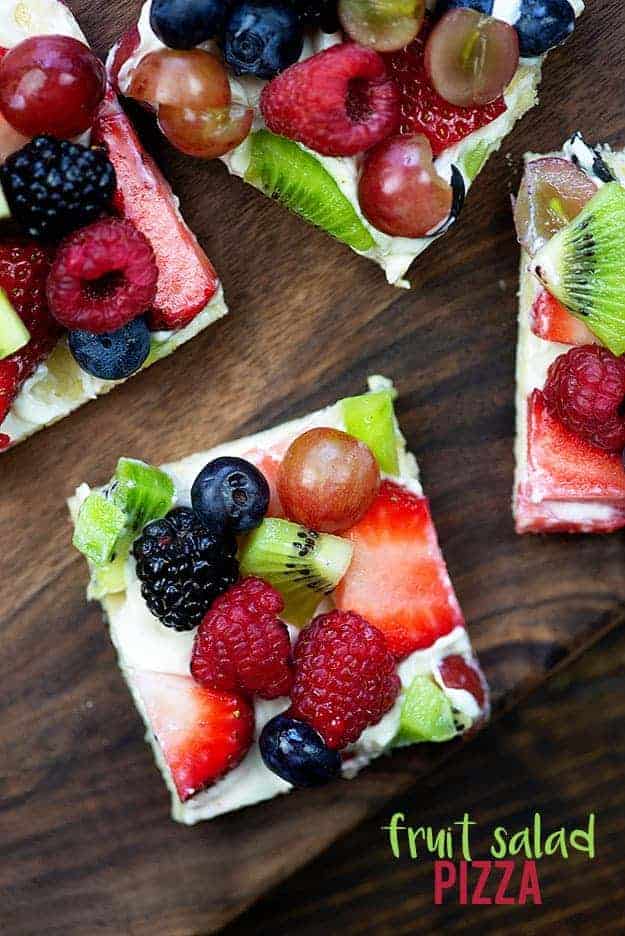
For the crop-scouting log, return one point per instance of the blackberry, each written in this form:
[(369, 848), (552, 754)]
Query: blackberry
[(54, 187), (183, 567)]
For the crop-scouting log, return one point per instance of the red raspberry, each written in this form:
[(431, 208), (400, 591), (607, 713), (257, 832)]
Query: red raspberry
[(338, 102), (345, 677), (24, 267), (242, 645), (585, 390), (104, 276), (423, 110)]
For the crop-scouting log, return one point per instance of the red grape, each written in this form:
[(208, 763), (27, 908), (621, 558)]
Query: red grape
[(471, 58), (399, 191), (51, 84), (385, 28), (206, 134), (195, 79), (327, 480)]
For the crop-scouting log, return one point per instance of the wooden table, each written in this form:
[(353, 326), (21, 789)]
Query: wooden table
[(87, 843)]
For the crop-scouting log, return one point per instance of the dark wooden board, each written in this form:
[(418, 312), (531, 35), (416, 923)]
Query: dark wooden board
[(88, 846)]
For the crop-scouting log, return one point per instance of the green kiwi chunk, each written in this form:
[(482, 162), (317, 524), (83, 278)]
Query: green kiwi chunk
[(583, 266), (371, 418), (301, 564), (426, 713), (98, 527), (285, 171), (144, 493), (13, 333)]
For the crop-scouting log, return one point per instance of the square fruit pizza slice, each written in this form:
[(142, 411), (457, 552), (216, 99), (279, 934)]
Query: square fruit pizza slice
[(99, 274), (280, 606)]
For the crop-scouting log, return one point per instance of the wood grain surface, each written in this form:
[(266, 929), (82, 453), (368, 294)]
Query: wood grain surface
[(88, 846)]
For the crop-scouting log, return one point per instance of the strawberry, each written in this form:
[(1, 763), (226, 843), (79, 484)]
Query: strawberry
[(456, 673), (24, 267), (269, 466), (551, 321), (120, 53), (423, 109), (397, 579), (187, 280), (202, 734)]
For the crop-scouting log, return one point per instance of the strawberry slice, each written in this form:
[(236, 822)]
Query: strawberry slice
[(187, 280), (423, 109), (398, 580), (269, 467), (120, 53), (456, 673), (550, 320), (562, 466), (202, 734)]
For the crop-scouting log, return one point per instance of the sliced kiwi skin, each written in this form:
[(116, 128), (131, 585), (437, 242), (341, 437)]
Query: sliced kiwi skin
[(583, 266), (283, 170), (371, 418), (426, 713), (13, 333), (302, 565)]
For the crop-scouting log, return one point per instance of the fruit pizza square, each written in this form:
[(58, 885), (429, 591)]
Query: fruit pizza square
[(280, 606), (570, 219), (370, 120), (99, 274)]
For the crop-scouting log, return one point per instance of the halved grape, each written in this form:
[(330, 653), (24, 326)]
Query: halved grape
[(384, 25), (399, 191), (471, 58), (195, 79), (206, 134), (553, 192)]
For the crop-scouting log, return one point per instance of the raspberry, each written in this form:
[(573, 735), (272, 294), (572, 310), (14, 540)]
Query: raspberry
[(585, 390), (103, 276), (338, 102), (423, 110), (241, 645), (345, 677), (24, 268)]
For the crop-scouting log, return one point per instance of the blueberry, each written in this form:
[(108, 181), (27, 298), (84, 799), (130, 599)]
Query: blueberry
[(112, 355), (482, 6), (184, 24), (262, 38), (543, 24), (297, 753), (230, 494)]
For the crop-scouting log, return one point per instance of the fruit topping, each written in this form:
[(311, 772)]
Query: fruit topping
[(51, 84), (551, 321), (553, 191), (103, 276), (54, 187), (230, 494), (327, 480), (543, 24), (338, 102), (383, 25), (186, 279), (301, 564), (242, 645), (24, 268), (282, 170), (345, 677), (400, 191), (297, 753), (202, 734), (456, 673), (13, 333), (206, 134), (426, 713), (482, 6), (423, 110), (583, 266), (99, 525), (371, 418), (585, 390), (183, 24), (262, 37), (112, 355), (397, 578), (183, 567), (471, 58)]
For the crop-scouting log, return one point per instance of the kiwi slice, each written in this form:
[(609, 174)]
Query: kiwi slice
[(109, 521), (301, 564), (13, 333), (583, 266), (371, 418), (426, 713), (5, 211), (283, 170)]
